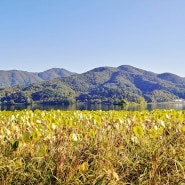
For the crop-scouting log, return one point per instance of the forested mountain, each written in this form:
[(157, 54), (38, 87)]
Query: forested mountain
[(103, 84), (16, 77)]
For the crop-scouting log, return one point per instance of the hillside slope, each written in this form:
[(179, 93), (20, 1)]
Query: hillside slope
[(103, 84), (17, 77)]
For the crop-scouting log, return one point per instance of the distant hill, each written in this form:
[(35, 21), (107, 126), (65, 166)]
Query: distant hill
[(103, 84), (16, 77), (172, 78)]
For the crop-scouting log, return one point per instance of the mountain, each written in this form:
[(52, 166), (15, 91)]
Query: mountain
[(103, 84), (172, 78), (16, 77), (54, 73)]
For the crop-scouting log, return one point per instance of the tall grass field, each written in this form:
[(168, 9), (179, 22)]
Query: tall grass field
[(92, 147)]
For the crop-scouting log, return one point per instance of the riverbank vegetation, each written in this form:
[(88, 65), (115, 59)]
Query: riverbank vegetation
[(92, 147)]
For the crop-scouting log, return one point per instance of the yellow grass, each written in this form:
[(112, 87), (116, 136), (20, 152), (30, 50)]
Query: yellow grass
[(92, 147)]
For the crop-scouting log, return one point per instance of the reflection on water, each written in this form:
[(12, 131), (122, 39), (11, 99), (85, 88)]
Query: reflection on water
[(85, 106)]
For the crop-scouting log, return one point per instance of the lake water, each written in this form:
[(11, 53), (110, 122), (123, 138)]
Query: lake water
[(83, 106)]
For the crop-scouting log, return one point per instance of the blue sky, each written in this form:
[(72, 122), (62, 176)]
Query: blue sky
[(79, 35)]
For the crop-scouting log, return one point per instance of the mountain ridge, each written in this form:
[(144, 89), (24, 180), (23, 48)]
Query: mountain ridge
[(100, 85), (18, 77)]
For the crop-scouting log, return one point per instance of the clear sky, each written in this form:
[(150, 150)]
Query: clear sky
[(79, 35)]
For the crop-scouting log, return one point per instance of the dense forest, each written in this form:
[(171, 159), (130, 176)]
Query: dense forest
[(17, 77), (100, 85)]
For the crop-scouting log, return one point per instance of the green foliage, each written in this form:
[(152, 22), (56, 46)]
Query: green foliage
[(15, 145), (16, 77), (100, 85), (160, 96)]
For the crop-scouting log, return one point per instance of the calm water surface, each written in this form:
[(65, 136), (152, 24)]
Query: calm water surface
[(83, 106)]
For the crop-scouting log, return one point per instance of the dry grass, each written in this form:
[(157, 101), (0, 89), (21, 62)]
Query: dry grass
[(92, 147)]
